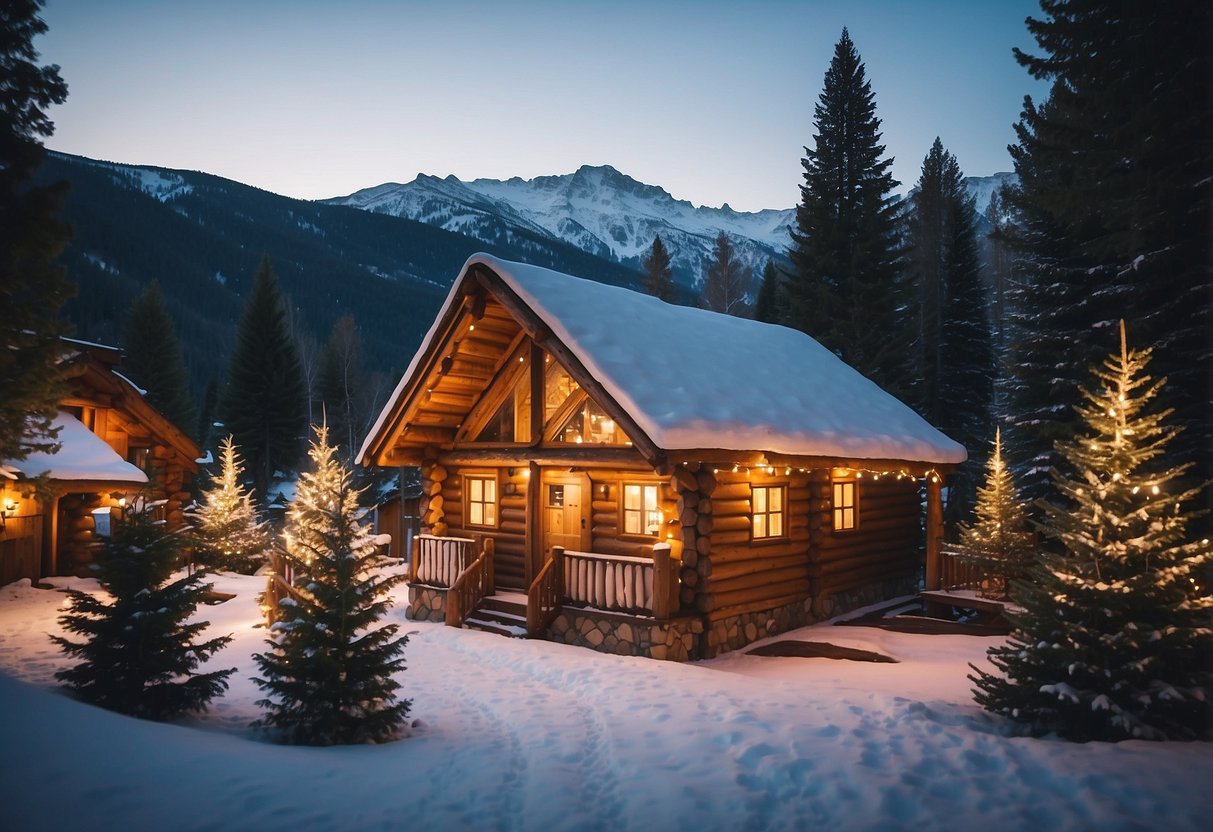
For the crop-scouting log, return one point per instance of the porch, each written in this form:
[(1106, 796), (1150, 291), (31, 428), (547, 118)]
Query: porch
[(620, 604)]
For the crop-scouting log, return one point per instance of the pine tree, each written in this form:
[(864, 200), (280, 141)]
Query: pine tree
[(206, 414), (33, 287), (1000, 542), (141, 652), (658, 276), (845, 246), (152, 358), (1114, 641), (769, 302), (726, 286), (265, 402), (328, 672), (227, 531), (1112, 214)]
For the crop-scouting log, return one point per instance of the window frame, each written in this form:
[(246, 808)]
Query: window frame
[(482, 477), (624, 511), (839, 510), (782, 488)]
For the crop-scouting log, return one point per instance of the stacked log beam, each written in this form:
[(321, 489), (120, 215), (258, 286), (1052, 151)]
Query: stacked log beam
[(433, 513), (695, 484)]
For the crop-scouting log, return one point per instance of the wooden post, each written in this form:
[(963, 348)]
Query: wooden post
[(934, 530), (558, 572), (661, 581), (415, 556), (490, 547)]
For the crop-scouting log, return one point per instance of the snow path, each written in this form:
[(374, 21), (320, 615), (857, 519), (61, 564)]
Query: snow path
[(516, 734)]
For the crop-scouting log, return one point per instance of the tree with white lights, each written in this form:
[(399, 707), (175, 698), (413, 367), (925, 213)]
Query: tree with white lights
[(328, 672), (1114, 641), (1000, 542), (229, 535)]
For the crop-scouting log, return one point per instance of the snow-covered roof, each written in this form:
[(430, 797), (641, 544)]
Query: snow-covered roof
[(694, 379), (83, 456)]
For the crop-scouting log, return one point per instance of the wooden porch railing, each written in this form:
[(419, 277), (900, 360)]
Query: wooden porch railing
[(620, 584), (279, 584), (958, 573), (439, 561), (544, 596), (472, 585)]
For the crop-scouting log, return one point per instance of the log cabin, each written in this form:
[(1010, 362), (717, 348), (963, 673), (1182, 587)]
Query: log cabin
[(115, 448), (602, 468)]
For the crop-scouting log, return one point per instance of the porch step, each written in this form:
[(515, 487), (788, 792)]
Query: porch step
[(499, 615)]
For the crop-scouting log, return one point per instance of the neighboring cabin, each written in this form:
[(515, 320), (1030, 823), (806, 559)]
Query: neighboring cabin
[(116, 448), (658, 480)]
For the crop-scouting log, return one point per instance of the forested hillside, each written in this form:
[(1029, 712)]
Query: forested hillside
[(202, 236)]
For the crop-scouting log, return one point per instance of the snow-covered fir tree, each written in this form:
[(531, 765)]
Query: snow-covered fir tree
[(1114, 641), (140, 655), (329, 670), (1000, 542), (228, 533)]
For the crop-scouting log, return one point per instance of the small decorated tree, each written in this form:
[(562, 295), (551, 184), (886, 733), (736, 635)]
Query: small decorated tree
[(140, 656), (999, 543), (328, 672), (1114, 641), (228, 533)]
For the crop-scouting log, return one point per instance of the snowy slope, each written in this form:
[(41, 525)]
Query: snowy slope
[(514, 734), (597, 209)]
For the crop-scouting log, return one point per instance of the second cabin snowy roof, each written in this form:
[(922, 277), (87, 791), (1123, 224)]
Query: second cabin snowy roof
[(82, 456), (695, 379)]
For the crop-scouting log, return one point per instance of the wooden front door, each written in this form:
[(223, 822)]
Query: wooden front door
[(564, 506)]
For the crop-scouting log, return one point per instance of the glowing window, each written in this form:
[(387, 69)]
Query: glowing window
[(481, 500), (769, 502), (844, 506), (558, 385), (590, 425), (641, 509)]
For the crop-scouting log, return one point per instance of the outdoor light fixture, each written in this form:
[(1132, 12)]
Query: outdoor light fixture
[(10, 507)]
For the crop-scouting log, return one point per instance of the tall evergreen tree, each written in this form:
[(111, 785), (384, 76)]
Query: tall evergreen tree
[(845, 246), (206, 415), (227, 531), (33, 287), (141, 651), (770, 301), (658, 276), (726, 286), (328, 671), (1000, 542), (1113, 211), (1114, 641), (265, 402), (953, 351), (152, 358), (341, 387)]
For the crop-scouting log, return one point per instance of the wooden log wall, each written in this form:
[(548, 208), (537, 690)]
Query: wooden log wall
[(510, 535), (884, 544), (748, 575), (606, 519)]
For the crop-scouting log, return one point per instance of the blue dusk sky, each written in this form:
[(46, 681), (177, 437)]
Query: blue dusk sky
[(711, 100)]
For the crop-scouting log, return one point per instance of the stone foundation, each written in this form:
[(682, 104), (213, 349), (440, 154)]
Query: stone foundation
[(426, 603), (685, 637), (738, 631), (626, 635)]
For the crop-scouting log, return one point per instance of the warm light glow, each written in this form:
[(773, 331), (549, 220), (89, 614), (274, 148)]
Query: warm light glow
[(1154, 490), (471, 327), (122, 501)]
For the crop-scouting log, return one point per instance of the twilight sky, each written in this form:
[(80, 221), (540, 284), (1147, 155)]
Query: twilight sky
[(711, 100)]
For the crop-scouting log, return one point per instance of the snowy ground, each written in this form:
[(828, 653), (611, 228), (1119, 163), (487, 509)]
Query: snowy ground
[(515, 734)]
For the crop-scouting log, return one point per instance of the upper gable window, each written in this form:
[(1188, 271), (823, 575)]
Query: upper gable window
[(512, 420), (590, 425), (558, 386)]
